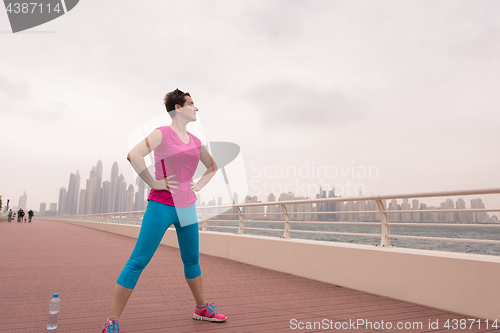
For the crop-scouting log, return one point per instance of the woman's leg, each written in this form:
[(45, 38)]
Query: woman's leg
[(196, 286), (120, 299), (188, 238), (157, 218)]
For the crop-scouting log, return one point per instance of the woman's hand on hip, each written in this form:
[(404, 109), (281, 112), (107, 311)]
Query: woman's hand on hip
[(166, 184), (195, 186)]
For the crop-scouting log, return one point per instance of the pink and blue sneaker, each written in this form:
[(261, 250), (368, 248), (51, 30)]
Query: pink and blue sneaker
[(111, 326), (209, 313)]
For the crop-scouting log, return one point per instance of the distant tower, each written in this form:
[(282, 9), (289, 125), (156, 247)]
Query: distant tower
[(23, 201), (415, 206), (460, 204), (130, 199), (332, 206), (139, 196), (321, 206), (121, 194), (393, 205), (113, 195), (62, 200), (91, 191), (105, 193), (405, 217), (71, 201), (43, 207), (98, 189), (478, 204), (82, 202), (272, 209)]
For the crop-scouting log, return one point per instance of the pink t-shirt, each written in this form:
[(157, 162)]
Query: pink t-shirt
[(178, 159)]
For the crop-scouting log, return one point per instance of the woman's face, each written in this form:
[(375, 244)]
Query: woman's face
[(189, 109)]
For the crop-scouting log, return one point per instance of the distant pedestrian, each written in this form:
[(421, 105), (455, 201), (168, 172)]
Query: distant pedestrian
[(10, 215), (22, 216), (30, 215), (19, 215)]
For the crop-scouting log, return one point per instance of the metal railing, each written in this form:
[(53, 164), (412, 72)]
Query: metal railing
[(135, 218)]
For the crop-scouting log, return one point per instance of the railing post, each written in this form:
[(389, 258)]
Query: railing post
[(109, 218), (287, 231), (241, 224), (205, 223), (385, 239)]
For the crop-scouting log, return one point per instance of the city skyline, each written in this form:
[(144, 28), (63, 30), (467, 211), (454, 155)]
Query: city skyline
[(409, 88), (107, 196)]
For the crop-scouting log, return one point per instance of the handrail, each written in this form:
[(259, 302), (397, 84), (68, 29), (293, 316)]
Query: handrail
[(385, 235)]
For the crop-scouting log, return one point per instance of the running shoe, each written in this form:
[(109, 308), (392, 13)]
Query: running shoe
[(111, 326), (209, 313)]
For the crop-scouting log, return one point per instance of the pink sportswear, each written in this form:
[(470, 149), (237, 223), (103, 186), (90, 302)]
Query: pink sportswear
[(179, 159)]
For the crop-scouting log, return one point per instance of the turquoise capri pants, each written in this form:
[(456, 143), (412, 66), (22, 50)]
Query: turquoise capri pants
[(157, 218)]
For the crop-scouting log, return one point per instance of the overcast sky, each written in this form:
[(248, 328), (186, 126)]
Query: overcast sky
[(405, 89)]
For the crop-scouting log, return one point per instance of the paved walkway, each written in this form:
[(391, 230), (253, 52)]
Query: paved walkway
[(82, 264)]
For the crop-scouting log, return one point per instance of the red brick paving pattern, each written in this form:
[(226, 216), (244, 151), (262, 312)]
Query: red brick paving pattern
[(82, 264)]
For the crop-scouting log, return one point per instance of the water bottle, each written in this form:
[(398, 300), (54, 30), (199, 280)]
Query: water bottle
[(55, 304)]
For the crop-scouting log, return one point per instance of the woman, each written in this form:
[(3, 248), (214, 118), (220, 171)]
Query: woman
[(171, 201)]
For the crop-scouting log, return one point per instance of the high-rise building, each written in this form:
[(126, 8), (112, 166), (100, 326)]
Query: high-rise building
[(478, 204), (91, 192), (405, 217), (446, 217), (341, 208), (424, 216), (139, 198), (105, 196), (256, 213), (82, 202), (113, 196), (271, 210), (321, 207), (415, 206), (130, 199), (23, 201), (433, 216), (460, 216), (332, 206), (121, 194), (393, 205), (71, 202), (43, 207), (62, 200), (98, 189)]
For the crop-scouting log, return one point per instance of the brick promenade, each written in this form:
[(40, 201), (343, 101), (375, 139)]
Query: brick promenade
[(82, 264)]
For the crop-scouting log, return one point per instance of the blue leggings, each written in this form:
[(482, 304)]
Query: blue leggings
[(157, 218)]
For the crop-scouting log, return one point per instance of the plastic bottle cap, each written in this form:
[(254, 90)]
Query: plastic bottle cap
[(55, 295)]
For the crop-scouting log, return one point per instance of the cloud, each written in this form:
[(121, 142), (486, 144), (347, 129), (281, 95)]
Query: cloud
[(290, 104), (274, 21), (16, 98)]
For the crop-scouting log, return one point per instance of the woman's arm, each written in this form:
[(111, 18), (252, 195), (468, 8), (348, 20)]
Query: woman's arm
[(209, 162), (136, 159)]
